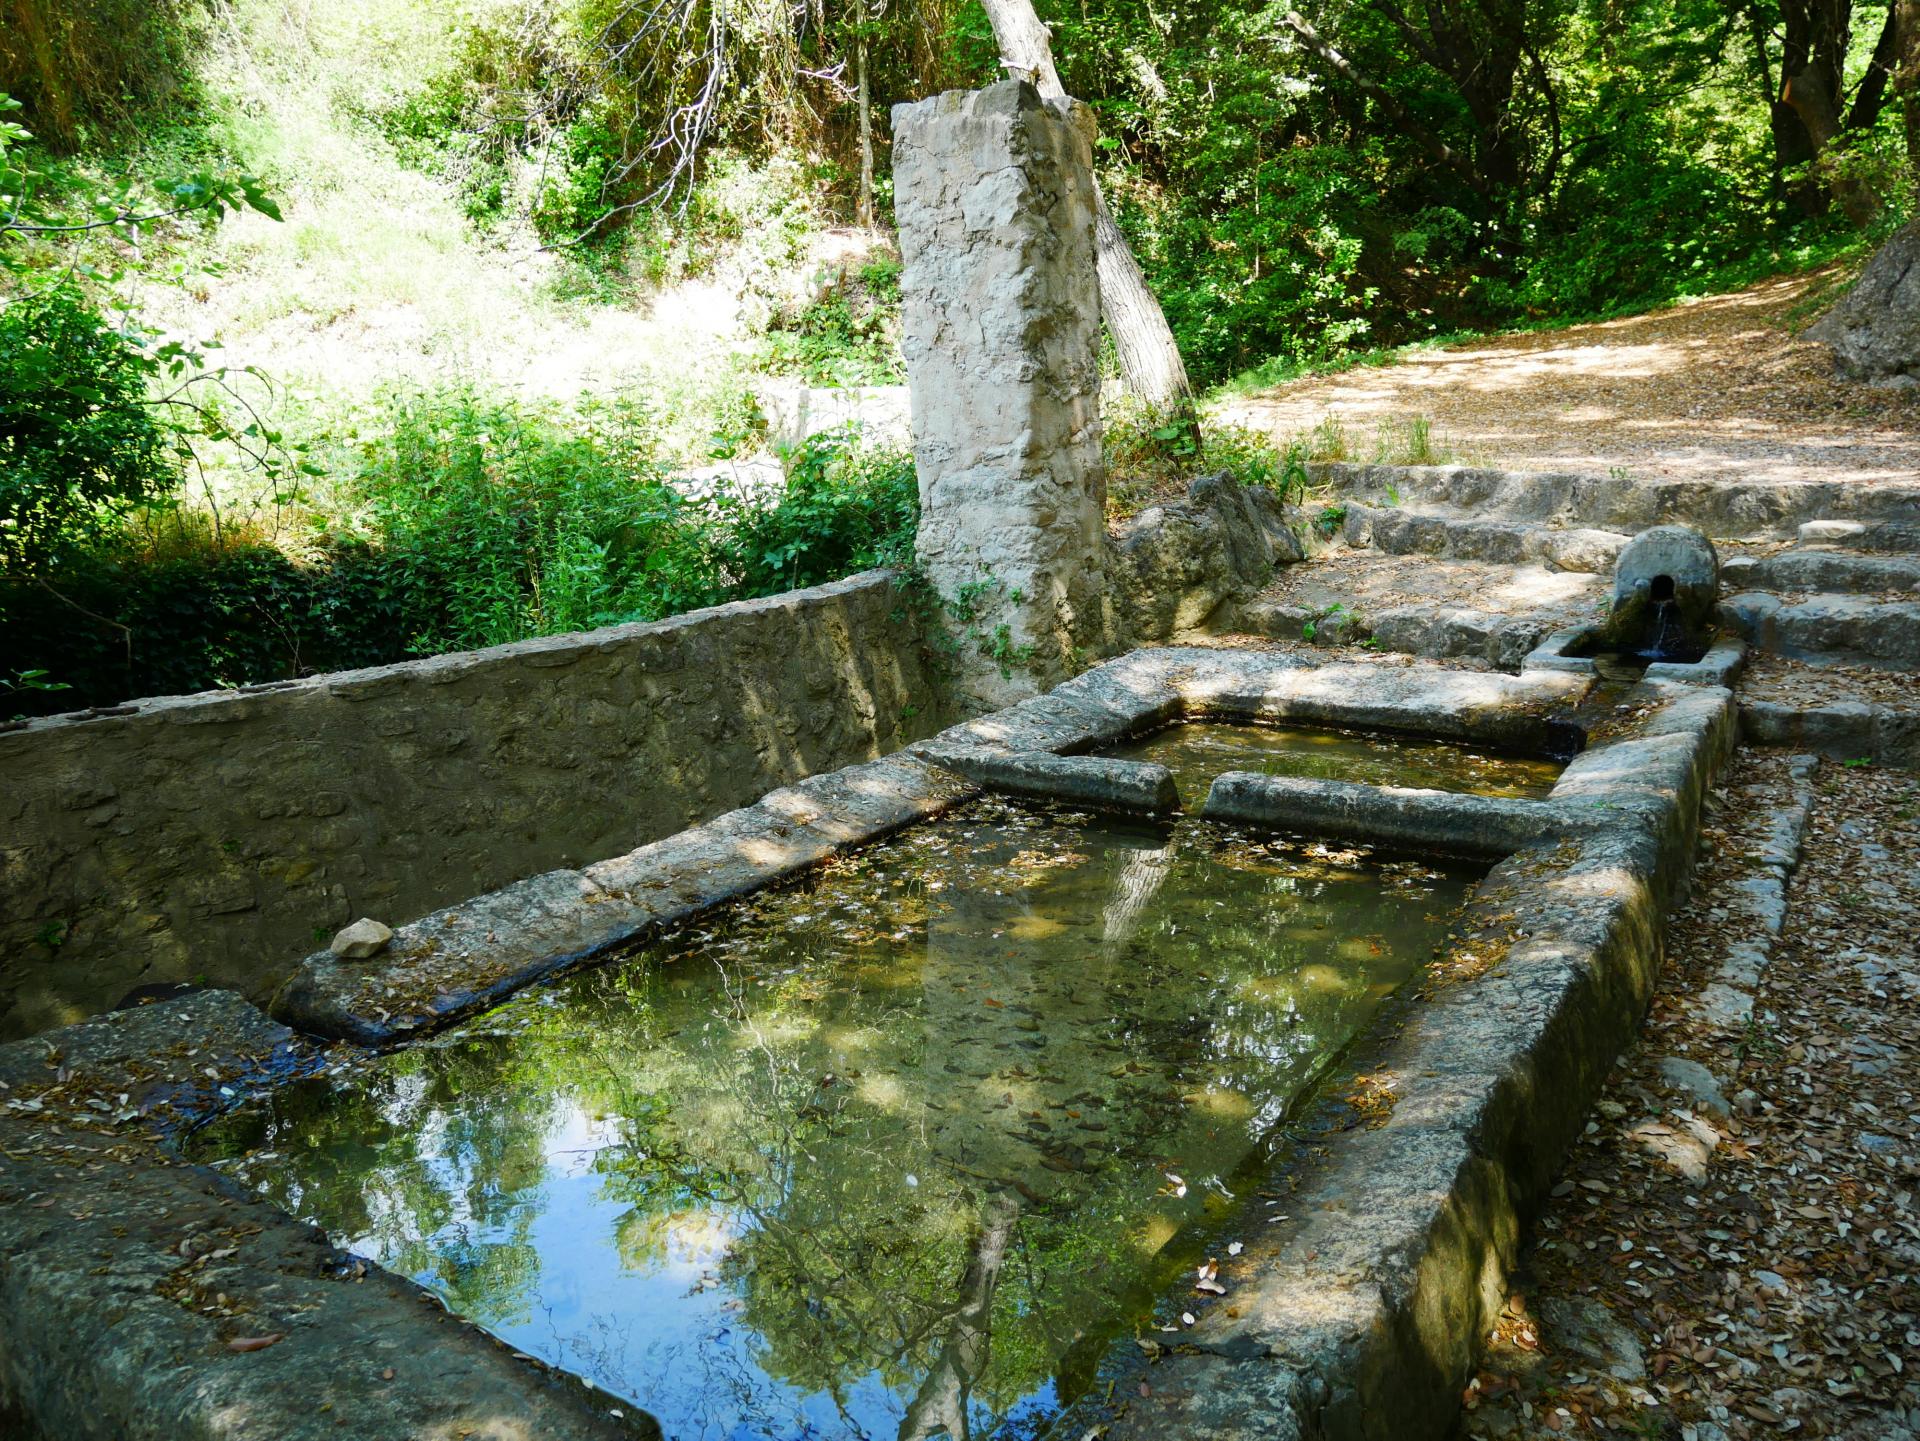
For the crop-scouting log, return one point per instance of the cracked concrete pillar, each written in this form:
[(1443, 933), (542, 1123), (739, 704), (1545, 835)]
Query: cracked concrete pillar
[(994, 198)]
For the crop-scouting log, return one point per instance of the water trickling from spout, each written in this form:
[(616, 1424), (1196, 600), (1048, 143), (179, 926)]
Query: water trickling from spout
[(1666, 636)]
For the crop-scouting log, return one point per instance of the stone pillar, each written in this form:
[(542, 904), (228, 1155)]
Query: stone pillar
[(994, 197)]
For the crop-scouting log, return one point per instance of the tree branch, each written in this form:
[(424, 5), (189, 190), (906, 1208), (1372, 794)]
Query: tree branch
[(1398, 113)]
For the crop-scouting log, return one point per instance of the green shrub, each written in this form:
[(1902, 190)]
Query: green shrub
[(478, 521), (121, 625), (849, 336), (496, 521), (79, 446), (845, 509)]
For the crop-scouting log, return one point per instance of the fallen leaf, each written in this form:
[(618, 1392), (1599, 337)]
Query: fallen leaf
[(255, 1343)]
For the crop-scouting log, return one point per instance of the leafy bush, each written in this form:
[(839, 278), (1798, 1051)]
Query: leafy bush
[(1152, 459), (121, 625), (79, 446), (849, 336), (495, 521), (845, 509), (475, 521)]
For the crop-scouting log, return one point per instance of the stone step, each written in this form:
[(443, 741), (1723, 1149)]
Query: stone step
[(1832, 571), (1889, 536), (1439, 632), (1456, 536), (1828, 627), (1620, 501)]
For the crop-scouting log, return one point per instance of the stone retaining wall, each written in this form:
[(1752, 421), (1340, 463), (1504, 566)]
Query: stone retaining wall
[(217, 837)]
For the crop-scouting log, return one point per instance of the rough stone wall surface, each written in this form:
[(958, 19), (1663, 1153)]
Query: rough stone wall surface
[(1874, 331), (1180, 566), (993, 191), (219, 836)]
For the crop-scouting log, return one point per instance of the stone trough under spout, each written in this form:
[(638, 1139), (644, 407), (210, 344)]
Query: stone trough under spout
[(1663, 620)]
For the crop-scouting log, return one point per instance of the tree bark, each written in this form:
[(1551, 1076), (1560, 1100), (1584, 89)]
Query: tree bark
[(1150, 360), (1906, 77), (1816, 36), (863, 206)]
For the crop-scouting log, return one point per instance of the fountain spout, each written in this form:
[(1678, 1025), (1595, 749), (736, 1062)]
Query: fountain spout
[(1666, 590)]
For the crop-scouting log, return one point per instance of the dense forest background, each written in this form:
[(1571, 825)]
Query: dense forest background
[(335, 332)]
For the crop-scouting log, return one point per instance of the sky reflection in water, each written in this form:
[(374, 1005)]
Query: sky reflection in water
[(894, 1153)]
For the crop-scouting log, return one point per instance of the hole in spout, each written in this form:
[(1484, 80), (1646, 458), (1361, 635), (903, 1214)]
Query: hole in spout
[(1661, 588)]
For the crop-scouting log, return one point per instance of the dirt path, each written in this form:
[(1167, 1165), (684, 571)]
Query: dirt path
[(1719, 388), (1732, 1251)]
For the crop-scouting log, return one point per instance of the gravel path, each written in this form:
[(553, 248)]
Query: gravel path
[(1734, 1248), (1718, 388)]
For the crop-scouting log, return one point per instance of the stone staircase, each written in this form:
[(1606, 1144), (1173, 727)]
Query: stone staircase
[(1501, 567)]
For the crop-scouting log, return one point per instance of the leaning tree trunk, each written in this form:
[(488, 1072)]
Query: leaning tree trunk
[(864, 204), (1149, 356), (1906, 76)]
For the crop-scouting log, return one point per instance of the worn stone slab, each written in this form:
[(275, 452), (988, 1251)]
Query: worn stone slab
[(1130, 787), (1844, 730), (1822, 570), (163, 1065), (1467, 537), (1890, 536), (460, 959)]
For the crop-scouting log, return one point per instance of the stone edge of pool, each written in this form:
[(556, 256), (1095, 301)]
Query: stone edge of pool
[(111, 1248)]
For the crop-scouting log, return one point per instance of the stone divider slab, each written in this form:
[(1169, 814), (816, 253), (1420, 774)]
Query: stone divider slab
[(1100, 783), (1450, 822)]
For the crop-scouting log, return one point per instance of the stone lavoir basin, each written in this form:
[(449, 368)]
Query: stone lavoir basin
[(1198, 751), (917, 1145), (891, 1105)]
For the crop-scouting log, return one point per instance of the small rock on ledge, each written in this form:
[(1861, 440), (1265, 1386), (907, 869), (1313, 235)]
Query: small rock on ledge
[(360, 940)]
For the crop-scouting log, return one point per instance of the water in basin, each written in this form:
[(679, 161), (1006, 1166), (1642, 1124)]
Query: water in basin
[(899, 1151), (1198, 751)]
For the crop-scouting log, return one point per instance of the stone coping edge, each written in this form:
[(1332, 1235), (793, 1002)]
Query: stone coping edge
[(466, 958), (1360, 1315), (213, 707)]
